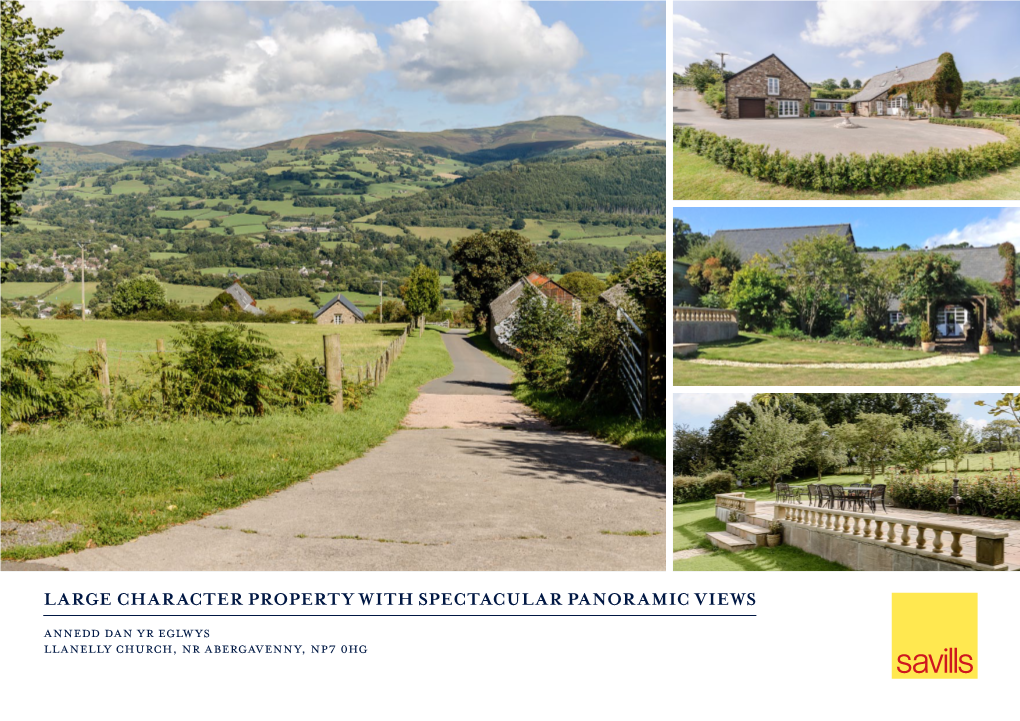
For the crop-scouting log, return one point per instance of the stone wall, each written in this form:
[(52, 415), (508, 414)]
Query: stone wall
[(703, 325), (338, 308), (753, 83)]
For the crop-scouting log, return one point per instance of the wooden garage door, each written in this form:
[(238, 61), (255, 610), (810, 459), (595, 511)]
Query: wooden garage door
[(752, 108)]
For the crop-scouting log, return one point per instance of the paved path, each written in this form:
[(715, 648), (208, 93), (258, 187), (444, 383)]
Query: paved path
[(803, 136), (932, 362), (476, 482)]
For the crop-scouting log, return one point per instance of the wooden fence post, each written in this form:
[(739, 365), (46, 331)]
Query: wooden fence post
[(104, 370), (334, 369)]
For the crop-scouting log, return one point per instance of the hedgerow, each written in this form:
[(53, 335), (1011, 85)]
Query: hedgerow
[(854, 172), (987, 495), (697, 488)]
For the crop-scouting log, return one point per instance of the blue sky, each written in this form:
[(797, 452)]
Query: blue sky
[(851, 39), (238, 74), (698, 410), (881, 227)]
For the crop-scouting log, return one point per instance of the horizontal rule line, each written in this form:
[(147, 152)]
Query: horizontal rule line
[(400, 615)]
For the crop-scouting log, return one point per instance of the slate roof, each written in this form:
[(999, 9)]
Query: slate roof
[(761, 241), (881, 83), (773, 55), (244, 300), (983, 263), (339, 297)]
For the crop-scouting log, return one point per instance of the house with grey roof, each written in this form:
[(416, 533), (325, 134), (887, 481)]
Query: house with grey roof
[(338, 310), (874, 97), (244, 299), (503, 310), (750, 242)]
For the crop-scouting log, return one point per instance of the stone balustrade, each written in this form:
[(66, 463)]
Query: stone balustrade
[(704, 315), (726, 502), (901, 534)]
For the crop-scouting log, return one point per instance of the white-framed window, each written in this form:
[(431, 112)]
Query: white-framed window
[(821, 106), (338, 319), (789, 108), (895, 317), (773, 86), (838, 106)]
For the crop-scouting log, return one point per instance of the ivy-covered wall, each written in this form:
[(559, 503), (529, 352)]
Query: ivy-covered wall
[(943, 88)]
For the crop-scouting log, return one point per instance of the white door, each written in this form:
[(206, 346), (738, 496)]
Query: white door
[(788, 108), (879, 107)]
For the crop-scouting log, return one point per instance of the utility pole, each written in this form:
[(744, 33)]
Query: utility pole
[(380, 282), (82, 244), (722, 60)]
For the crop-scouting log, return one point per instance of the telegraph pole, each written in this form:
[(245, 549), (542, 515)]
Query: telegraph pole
[(380, 282), (83, 244), (722, 60)]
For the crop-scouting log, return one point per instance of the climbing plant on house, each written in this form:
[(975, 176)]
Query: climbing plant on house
[(944, 88)]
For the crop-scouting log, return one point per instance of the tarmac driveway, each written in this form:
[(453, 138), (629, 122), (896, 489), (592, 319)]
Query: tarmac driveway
[(803, 136)]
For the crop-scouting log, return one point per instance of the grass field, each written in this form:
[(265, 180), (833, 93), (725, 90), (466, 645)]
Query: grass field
[(190, 294), (25, 290), (72, 292), (119, 483), (300, 302), (127, 341), (224, 269), (758, 348), (697, 178), (165, 255), (624, 430)]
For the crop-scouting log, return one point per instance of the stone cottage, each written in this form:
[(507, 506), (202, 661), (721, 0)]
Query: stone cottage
[(874, 99), (503, 310), (338, 311), (750, 92)]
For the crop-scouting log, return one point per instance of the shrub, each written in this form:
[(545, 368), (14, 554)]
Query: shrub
[(986, 338), (698, 488), (988, 496), (845, 174)]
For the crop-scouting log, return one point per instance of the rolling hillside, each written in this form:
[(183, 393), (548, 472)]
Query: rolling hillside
[(476, 145), (58, 157)]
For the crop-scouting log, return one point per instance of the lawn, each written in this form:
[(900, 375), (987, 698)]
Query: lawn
[(697, 178), (127, 340), (122, 482), (624, 430), (758, 348), (25, 290)]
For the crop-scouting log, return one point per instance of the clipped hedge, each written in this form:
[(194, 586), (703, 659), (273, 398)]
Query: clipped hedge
[(987, 496), (844, 174), (992, 106), (698, 488)]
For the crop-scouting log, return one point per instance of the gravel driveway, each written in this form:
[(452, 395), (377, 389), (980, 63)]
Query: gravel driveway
[(803, 136), (475, 482)]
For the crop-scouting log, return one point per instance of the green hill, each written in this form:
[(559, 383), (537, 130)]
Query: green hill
[(476, 145), (58, 157)]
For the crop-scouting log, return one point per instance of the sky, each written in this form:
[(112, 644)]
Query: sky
[(873, 227), (242, 74), (851, 39), (698, 410)]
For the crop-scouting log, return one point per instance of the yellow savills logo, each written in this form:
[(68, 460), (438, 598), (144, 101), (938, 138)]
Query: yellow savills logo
[(934, 635)]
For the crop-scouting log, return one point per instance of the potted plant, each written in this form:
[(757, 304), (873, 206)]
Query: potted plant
[(775, 534), (770, 110), (985, 346), (734, 517), (927, 339)]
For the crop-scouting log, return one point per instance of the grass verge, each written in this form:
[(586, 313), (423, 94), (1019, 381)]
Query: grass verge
[(648, 437), (123, 482)]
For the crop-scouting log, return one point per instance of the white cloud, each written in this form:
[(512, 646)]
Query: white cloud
[(984, 233), (858, 63), (127, 73), (881, 26), (965, 15), (653, 15), (566, 95), (473, 52), (689, 24)]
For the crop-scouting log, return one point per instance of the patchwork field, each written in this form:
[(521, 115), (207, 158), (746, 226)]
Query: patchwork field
[(25, 290)]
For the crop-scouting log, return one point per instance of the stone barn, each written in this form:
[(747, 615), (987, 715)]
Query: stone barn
[(338, 311), (769, 81)]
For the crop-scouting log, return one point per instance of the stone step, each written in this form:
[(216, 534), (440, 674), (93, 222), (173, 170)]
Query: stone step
[(728, 542), (749, 532), (759, 520)]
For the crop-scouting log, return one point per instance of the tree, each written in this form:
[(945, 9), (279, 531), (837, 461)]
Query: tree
[(757, 293), (542, 331), (518, 223), (871, 440), (137, 295), (917, 448), (823, 448), (701, 75), (872, 294), (422, 294), (489, 263), (994, 436), (584, 285), (829, 84), (918, 409), (691, 455), (684, 239), (555, 233), (816, 268), (960, 441), (924, 279), (1009, 407), (845, 84), (26, 51), (771, 444), (857, 84)]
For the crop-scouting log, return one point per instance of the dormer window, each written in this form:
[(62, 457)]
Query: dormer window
[(773, 86)]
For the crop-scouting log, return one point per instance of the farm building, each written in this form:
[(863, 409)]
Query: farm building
[(956, 318), (886, 94), (338, 311), (769, 82), (244, 300), (503, 310)]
